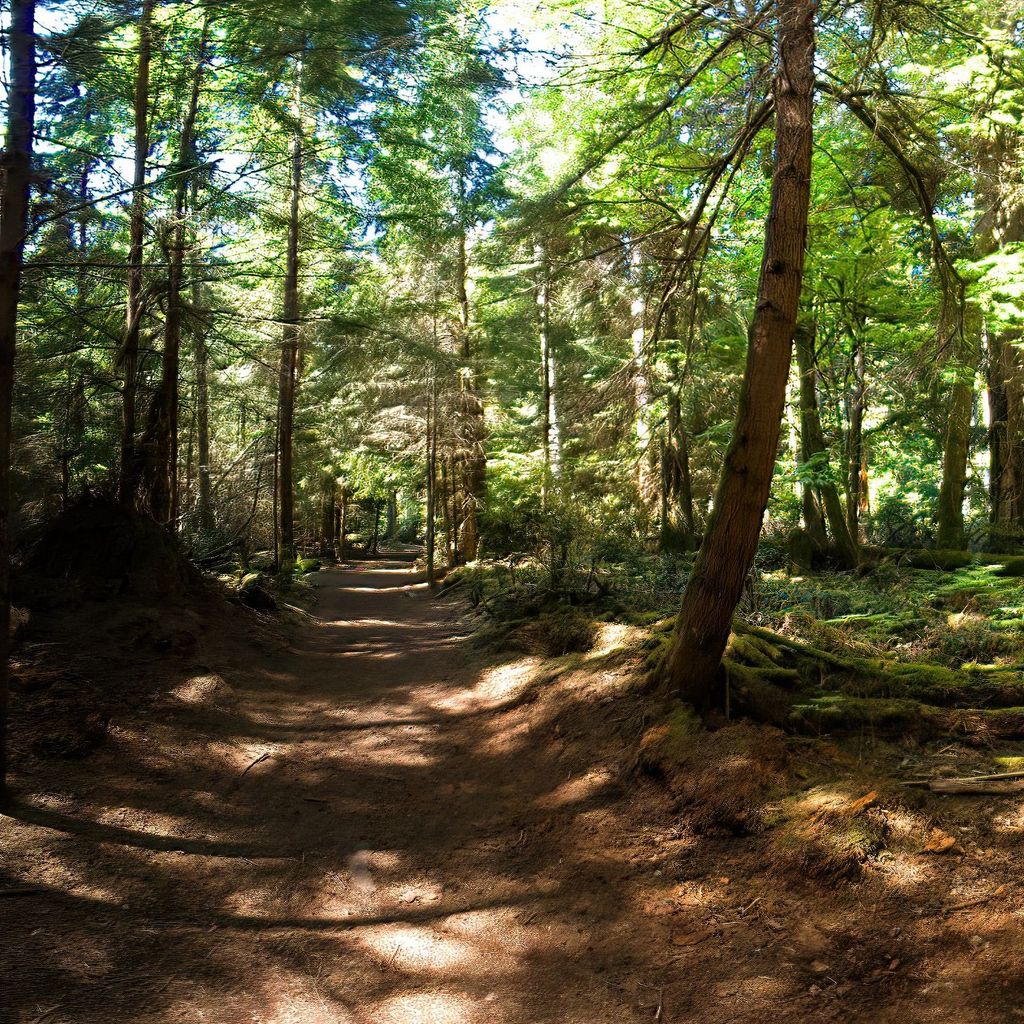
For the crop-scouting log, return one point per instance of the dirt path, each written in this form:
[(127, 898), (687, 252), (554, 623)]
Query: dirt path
[(380, 824), (363, 828)]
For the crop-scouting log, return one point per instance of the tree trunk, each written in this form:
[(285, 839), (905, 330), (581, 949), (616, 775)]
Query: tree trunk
[(392, 527), (343, 524), (14, 223), (201, 357), (550, 437), (128, 483), (642, 390), (727, 554), (812, 443), (163, 498), (677, 519), (375, 546), (290, 317), (1002, 224), (431, 509), (949, 533), (856, 452), (474, 469)]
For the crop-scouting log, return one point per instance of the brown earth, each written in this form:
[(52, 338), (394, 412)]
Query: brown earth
[(378, 821)]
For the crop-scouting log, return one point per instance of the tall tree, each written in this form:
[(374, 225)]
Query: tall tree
[(128, 481), (727, 554), (14, 225)]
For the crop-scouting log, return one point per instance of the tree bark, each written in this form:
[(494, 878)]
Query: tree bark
[(291, 317), (163, 497), (856, 451), (642, 389), (474, 468), (14, 224), (727, 554), (431, 508), (204, 499), (949, 532), (128, 483), (550, 437), (677, 518), (812, 443)]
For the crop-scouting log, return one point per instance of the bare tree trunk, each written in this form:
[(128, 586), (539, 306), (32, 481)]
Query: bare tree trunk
[(128, 483), (431, 509), (375, 546), (957, 442), (642, 389), (290, 346), (343, 524), (202, 369), (677, 519), (813, 444), (727, 554), (14, 223), (856, 450), (550, 437), (1001, 224), (163, 499), (474, 470)]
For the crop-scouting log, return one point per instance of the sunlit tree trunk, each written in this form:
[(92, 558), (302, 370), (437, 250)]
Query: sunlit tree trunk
[(642, 389), (14, 223), (727, 554), (128, 483), (430, 512), (474, 469), (288, 370), (550, 434)]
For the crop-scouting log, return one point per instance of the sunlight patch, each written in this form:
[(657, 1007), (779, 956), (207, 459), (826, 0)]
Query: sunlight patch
[(428, 1008), (422, 949), (497, 684), (202, 691), (576, 790), (299, 1009), (611, 636)]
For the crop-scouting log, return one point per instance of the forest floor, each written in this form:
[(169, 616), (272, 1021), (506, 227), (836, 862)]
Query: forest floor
[(370, 817)]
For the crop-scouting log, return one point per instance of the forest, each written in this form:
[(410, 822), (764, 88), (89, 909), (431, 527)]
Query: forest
[(511, 511)]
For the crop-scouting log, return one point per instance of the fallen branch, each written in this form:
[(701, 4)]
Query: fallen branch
[(999, 782)]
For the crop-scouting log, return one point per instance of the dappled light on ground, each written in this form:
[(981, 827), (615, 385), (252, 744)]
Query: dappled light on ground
[(381, 822)]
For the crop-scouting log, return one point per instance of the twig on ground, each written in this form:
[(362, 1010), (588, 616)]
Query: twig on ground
[(252, 764)]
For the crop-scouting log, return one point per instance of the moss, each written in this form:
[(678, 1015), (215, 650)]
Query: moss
[(670, 742), (1009, 764), (757, 692), (657, 647), (927, 558), (837, 712)]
